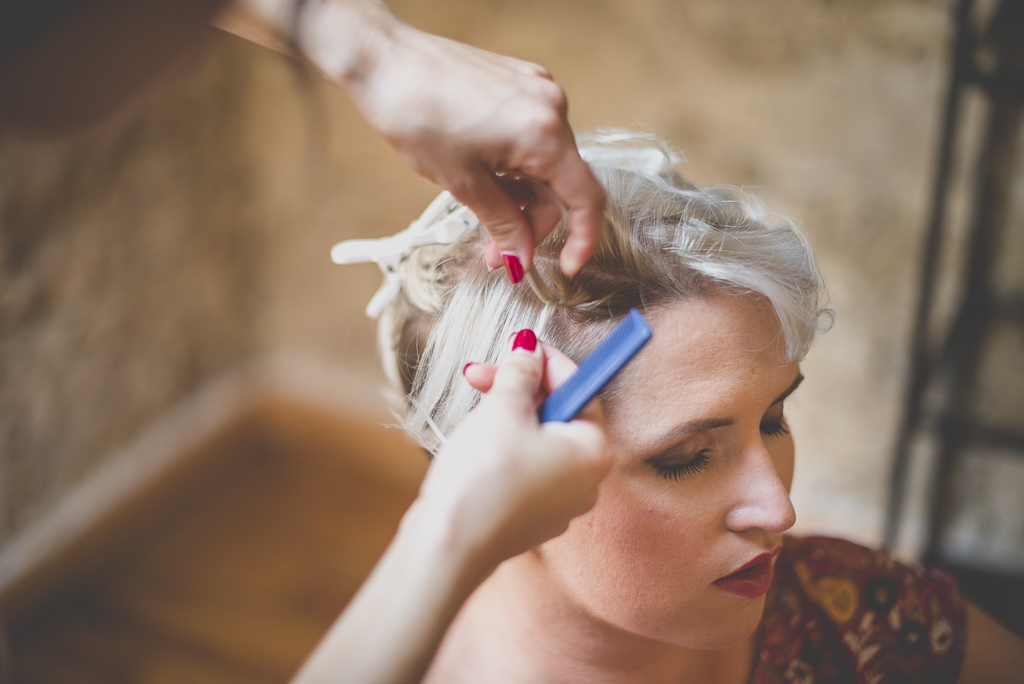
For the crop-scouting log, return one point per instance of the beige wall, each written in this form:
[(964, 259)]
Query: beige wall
[(195, 233), (130, 272)]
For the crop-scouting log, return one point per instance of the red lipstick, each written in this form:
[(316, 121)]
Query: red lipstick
[(753, 579)]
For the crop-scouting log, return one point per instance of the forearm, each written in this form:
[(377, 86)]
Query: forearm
[(339, 38), (390, 631), (477, 507), (459, 116)]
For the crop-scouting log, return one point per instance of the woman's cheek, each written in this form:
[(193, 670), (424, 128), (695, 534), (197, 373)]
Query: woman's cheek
[(630, 552)]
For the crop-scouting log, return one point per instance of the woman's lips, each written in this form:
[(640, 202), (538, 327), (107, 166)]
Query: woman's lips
[(753, 579)]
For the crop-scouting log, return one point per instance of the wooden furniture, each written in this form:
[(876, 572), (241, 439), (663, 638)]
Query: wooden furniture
[(235, 567)]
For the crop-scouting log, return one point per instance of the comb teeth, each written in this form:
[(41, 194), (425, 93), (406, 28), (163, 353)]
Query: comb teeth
[(597, 369)]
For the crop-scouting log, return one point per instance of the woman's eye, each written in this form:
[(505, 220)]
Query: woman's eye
[(681, 470), (775, 428)]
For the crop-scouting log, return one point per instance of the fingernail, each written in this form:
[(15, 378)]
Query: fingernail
[(514, 267), (525, 339), (467, 366)]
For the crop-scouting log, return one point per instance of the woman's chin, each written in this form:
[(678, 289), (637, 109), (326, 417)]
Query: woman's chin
[(721, 629)]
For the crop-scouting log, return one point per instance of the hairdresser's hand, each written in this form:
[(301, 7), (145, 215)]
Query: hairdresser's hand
[(508, 482), (502, 485), (460, 117)]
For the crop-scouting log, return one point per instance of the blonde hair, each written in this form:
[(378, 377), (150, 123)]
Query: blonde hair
[(665, 240)]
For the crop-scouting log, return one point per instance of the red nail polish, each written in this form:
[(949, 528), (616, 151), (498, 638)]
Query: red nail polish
[(525, 339), (467, 366), (514, 267)]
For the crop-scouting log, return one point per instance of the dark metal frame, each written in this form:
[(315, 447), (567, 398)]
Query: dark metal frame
[(955, 367)]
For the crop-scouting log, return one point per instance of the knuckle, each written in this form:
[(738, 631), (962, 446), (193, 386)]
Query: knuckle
[(556, 97), (540, 71), (523, 365), (547, 121), (504, 229), (462, 187)]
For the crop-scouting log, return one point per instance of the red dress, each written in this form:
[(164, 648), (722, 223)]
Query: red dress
[(840, 612)]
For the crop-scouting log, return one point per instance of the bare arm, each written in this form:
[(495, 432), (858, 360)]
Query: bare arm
[(389, 632), (459, 116), (994, 655), (477, 507)]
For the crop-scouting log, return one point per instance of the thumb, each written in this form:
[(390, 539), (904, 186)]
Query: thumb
[(557, 367), (520, 372), (589, 445)]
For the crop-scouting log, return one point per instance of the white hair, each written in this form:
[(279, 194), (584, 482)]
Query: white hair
[(665, 240)]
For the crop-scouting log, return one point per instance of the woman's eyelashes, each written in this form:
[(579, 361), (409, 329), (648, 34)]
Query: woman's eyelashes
[(677, 471), (672, 469), (775, 428)]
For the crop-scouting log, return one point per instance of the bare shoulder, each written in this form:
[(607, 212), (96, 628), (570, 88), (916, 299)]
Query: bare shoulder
[(993, 653)]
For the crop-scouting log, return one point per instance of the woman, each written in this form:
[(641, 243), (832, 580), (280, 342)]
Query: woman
[(674, 567)]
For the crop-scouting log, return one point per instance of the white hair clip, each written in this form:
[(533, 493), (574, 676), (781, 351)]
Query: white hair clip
[(442, 223)]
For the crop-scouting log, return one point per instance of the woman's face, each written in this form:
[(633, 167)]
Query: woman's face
[(699, 487)]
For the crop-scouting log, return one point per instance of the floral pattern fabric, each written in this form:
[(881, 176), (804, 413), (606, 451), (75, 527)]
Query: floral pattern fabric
[(839, 612)]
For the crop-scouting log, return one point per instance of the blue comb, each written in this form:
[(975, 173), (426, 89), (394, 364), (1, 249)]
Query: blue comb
[(596, 369)]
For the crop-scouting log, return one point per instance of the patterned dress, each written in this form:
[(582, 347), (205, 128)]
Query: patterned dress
[(839, 612)]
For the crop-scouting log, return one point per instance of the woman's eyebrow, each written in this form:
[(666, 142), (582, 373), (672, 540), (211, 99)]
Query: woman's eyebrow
[(677, 433), (790, 390), (681, 431)]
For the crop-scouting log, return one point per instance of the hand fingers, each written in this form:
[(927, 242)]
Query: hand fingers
[(542, 211), (587, 437), (575, 185), (557, 369), (518, 188), (501, 216), (519, 374), (589, 443), (492, 255), (480, 376), (538, 203)]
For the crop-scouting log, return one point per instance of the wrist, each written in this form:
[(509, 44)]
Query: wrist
[(438, 530), (347, 39)]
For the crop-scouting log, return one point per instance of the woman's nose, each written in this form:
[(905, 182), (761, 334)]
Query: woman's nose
[(760, 500)]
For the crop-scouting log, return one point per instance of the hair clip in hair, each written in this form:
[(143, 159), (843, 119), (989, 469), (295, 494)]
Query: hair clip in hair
[(442, 223)]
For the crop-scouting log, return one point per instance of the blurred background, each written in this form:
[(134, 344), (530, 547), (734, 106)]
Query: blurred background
[(192, 469)]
